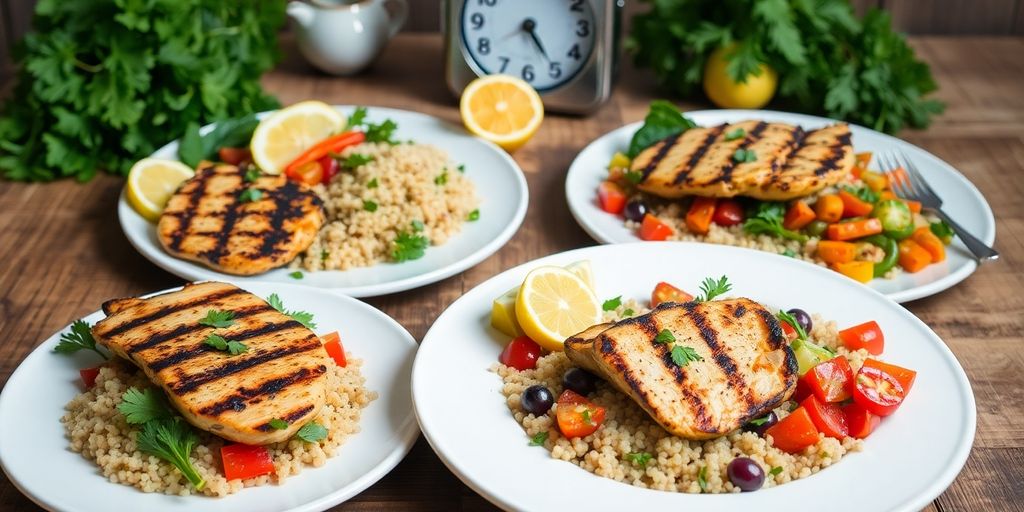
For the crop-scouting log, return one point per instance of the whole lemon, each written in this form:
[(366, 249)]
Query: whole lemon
[(725, 92)]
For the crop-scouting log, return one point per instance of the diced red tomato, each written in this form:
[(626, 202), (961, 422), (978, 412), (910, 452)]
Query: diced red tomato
[(903, 375), (828, 418), (309, 173), (830, 381), (89, 376), (521, 353), (329, 166), (577, 416), (664, 292), (859, 421), (728, 213), (794, 432), (867, 335), (802, 391), (653, 230), (877, 391), (234, 156), (332, 344), (611, 197), (245, 461), (698, 217), (789, 331)]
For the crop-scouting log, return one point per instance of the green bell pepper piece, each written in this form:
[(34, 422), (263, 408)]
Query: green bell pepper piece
[(892, 253), (897, 219)]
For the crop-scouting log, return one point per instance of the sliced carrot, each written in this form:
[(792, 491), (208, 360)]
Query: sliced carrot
[(862, 271), (797, 216), (836, 252), (913, 257), (853, 206), (829, 208), (929, 242), (698, 219), (886, 194), (914, 206), (852, 230)]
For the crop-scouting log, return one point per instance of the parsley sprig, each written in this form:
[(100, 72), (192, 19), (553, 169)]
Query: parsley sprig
[(355, 160), (224, 345), (681, 355), (375, 132), (409, 246), (312, 432), (218, 319), (711, 288), (766, 218), (639, 458), (612, 304), (79, 338), (164, 434), (303, 317)]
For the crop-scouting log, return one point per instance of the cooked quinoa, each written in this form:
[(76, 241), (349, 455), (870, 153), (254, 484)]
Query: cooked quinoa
[(369, 206), (98, 431), (676, 463)]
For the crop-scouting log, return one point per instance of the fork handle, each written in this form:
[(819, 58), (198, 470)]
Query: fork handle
[(980, 250)]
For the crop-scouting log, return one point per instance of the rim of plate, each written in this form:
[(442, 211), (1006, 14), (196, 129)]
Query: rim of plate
[(196, 272), (407, 432), (507, 501), (917, 292)]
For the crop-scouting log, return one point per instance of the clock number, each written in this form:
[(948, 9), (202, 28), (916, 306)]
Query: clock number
[(577, 5), (483, 46), (504, 64), (489, 3), (477, 20), (582, 28), (574, 52), (528, 73), (555, 71)]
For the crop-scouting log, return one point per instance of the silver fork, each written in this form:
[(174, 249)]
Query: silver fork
[(915, 188)]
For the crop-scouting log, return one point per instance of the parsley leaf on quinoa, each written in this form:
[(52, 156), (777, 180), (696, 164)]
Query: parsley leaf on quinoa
[(312, 432), (409, 247), (539, 439)]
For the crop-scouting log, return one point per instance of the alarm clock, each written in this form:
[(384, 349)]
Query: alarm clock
[(566, 49)]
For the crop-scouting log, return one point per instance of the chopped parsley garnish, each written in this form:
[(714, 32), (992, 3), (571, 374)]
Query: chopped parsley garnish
[(383, 132), (628, 312), (612, 304), (417, 225), (250, 194), (766, 219), (639, 458), (441, 179), (370, 206), (702, 478), (409, 247), (742, 156), (776, 470), (665, 336), (791, 320), (539, 439), (711, 288), (296, 275), (139, 407), (79, 338), (760, 421), (789, 252), (825, 455), (634, 177), (278, 424), (356, 118), (324, 254), (473, 215), (302, 317), (163, 434), (218, 319), (738, 133), (372, 183), (461, 167), (312, 432), (252, 175), (586, 417), (682, 356), (355, 160), (232, 347)]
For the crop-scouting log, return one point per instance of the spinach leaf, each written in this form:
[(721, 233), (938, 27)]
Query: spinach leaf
[(663, 119)]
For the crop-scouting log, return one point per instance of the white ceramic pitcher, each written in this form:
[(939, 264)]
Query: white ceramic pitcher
[(343, 38)]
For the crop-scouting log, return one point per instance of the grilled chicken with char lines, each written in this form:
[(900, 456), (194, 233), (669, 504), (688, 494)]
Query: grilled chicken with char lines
[(747, 368), (279, 376)]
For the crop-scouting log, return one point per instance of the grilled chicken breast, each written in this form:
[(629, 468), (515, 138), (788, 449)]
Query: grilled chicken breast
[(747, 368), (279, 376), (206, 221), (787, 162)]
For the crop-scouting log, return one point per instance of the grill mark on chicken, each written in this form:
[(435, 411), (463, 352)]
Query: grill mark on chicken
[(238, 401), (698, 153), (721, 355), (668, 143), (776, 338), (836, 153), (291, 417), (228, 223), (287, 205), (739, 311), (189, 383), (751, 138), (179, 355), (160, 337), (156, 315), (179, 234)]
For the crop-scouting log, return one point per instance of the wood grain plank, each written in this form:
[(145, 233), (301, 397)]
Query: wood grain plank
[(20, 12), (995, 17)]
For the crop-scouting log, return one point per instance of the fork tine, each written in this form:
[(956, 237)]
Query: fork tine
[(910, 182), (917, 175), (885, 159)]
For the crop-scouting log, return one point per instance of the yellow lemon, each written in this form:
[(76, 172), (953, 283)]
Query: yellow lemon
[(553, 304), (725, 92), (285, 134), (502, 109), (503, 309), (151, 181)]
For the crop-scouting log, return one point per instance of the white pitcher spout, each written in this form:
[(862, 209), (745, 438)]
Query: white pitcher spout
[(301, 12)]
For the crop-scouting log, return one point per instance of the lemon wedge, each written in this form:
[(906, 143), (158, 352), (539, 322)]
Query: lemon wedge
[(285, 134), (553, 304), (151, 181), (503, 309), (502, 109)]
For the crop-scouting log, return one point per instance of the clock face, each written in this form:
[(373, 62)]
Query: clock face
[(544, 42)]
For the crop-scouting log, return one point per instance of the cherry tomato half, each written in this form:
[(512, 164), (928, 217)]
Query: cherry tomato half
[(577, 416), (521, 353), (859, 421), (664, 292), (867, 335), (728, 213), (332, 344), (904, 375), (89, 376), (828, 418), (877, 392), (329, 167), (611, 197), (830, 381), (653, 229), (234, 156)]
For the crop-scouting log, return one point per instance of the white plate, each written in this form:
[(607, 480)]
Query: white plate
[(962, 200), (500, 186), (907, 462), (36, 457)]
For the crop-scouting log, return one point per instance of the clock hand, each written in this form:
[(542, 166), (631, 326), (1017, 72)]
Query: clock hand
[(530, 27)]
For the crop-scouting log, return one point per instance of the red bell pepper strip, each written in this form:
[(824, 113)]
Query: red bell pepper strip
[(309, 173), (332, 344), (325, 147), (242, 461)]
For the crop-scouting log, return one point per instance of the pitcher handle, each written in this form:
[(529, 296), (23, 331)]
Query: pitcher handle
[(397, 16)]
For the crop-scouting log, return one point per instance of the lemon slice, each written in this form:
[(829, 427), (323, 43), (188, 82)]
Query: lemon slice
[(553, 304), (583, 271), (285, 134), (503, 309), (502, 109), (151, 181)]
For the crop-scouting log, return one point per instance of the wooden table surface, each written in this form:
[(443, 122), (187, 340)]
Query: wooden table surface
[(63, 252)]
